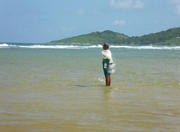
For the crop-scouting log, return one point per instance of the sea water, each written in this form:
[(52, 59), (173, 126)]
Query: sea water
[(46, 87)]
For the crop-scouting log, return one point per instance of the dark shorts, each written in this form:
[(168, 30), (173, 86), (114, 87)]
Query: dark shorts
[(106, 66)]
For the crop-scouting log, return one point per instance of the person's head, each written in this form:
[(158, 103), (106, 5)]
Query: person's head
[(105, 46)]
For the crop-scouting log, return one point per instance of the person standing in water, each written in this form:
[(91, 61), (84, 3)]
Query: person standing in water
[(107, 61)]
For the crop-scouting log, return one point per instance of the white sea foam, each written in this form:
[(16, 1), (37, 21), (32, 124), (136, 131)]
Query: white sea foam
[(3, 45), (49, 46), (42, 46), (101, 79), (148, 47)]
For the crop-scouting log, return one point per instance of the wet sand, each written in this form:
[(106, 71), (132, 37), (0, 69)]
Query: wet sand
[(93, 109)]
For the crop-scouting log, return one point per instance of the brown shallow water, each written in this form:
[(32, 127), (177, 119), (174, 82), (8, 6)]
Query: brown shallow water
[(41, 91)]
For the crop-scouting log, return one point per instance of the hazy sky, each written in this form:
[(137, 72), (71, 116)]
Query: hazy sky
[(46, 20)]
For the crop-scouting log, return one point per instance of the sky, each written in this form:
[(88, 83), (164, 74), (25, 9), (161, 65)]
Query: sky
[(39, 21)]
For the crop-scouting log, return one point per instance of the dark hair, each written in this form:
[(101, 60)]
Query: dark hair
[(106, 45)]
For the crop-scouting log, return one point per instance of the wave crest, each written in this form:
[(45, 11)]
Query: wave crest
[(43, 46), (3, 45)]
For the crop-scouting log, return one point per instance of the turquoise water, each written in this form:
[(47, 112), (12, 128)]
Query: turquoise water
[(63, 89)]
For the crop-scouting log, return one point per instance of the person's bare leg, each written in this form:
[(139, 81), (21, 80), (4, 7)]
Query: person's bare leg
[(108, 80)]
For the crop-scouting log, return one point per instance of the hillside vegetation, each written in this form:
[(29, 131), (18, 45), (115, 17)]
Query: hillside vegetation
[(168, 37)]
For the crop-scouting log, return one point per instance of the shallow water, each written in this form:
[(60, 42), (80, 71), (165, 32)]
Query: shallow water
[(63, 90)]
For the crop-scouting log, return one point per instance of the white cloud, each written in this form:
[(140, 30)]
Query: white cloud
[(80, 11), (177, 3), (126, 3), (138, 4), (178, 9), (119, 22)]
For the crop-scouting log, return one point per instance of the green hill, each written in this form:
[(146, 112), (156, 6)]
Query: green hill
[(168, 37), (94, 38)]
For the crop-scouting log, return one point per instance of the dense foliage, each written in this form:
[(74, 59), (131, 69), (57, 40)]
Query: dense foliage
[(168, 37)]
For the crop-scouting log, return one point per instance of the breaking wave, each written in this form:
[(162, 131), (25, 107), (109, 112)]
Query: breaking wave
[(48, 46)]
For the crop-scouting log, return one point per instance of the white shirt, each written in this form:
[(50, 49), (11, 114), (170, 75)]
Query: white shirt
[(106, 54)]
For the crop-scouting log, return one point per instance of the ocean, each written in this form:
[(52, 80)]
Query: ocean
[(46, 87)]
